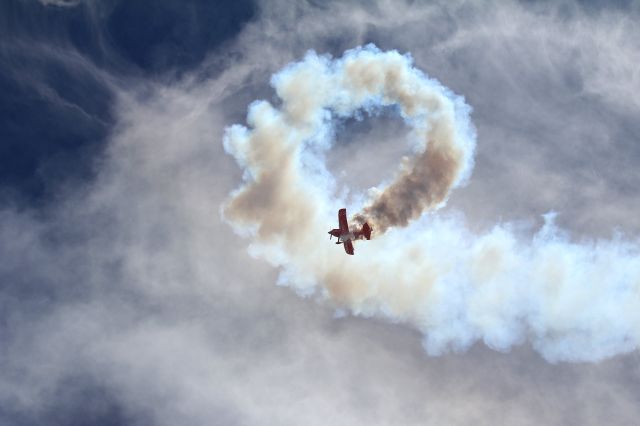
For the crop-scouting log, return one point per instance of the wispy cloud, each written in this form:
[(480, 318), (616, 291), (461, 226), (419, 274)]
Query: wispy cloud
[(133, 281), (61, 3)]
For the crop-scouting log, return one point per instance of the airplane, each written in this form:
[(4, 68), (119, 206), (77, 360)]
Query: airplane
[(344, 236)]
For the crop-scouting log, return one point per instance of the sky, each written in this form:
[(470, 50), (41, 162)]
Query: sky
[(128, 296)]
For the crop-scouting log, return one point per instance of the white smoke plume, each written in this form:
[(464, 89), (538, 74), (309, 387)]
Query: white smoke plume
[(573, 302)]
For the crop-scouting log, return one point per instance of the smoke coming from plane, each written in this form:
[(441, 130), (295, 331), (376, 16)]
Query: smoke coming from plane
[(572, 302)]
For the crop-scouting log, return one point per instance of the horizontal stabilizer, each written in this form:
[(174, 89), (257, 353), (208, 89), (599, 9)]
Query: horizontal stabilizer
[(366, 231)]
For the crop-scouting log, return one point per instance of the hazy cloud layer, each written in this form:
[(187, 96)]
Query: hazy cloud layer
[(132, 286)]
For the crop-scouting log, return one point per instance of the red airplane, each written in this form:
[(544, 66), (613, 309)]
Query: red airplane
[(344, 236)]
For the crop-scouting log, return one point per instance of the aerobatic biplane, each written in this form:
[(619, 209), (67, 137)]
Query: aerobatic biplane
[(345, 237)]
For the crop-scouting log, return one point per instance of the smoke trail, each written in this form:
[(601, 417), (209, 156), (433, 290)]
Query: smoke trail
[(571, 301), (314, 89)]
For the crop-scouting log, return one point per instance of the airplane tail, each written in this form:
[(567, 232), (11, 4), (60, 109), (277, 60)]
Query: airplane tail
[(366, 231)]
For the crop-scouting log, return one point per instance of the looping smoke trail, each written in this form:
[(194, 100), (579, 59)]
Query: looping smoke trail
[(571, 301), (443, 139)]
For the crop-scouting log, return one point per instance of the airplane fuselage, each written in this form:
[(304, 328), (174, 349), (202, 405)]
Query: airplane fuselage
[(342, 236), (349, 236)]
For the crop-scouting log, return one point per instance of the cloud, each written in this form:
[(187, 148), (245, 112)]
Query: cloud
[(61, 3), (133, 282)]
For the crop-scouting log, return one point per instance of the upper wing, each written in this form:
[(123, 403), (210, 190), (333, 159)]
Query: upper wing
[(342, 221), (348, 246)]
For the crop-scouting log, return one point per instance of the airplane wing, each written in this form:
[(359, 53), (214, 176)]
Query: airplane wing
[(348, 246), (342, 221)]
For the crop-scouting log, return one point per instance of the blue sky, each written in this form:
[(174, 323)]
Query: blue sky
[(68, 51), (124, 299)]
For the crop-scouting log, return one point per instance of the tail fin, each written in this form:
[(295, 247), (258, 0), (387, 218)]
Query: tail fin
[(366, 230)]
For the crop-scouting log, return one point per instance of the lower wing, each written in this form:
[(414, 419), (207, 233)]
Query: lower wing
[(348, 246)]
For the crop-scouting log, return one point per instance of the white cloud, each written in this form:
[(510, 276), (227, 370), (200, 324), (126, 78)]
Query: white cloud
[(156, 298)]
